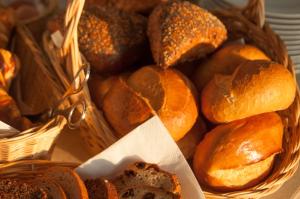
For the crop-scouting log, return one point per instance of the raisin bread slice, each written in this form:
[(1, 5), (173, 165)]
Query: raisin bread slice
[(101, 189), (52, 188), (146, 192), (145, 174)]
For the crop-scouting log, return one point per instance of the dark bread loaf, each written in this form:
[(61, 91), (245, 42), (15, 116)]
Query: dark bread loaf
[(13, 189), (145, 174), (146, 192), (180, 31), (109, 38), (101, 189)]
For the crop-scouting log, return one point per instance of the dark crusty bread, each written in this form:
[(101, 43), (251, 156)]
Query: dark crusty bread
[(146, 192), (13, 189), (101, 189), (145, 174), (71, 183), (255, 87), (53, 189), (180, 31), (144, 6), (109, 38)]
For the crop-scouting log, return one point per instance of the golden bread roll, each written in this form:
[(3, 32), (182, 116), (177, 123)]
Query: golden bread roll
[(225, 61), (124, 108), (99, 87), (255, 87), (110, 39), (182, 31), (164, 92), (10, 113), (239, 154), (9, 67), (190, 141)]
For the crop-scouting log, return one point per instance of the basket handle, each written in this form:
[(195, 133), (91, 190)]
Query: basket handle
[(255, 12)]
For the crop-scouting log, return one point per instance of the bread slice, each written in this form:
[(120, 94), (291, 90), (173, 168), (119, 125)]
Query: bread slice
[(101, 189), (146, 192), (10, 189), (71, 183), (180, 31), (52, 188), (145, 174)]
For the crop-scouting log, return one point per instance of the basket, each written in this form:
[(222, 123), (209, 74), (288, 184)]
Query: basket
[(37, 91), (247, 23), (27, 169)]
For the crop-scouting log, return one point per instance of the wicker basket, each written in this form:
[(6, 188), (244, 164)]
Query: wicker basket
[(27, 169), (37, 91), (248, 24)]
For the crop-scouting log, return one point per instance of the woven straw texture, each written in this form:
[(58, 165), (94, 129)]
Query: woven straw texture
[(247, 24)]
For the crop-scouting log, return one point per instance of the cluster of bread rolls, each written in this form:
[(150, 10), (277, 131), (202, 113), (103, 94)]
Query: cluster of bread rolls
[(241, 90), (238, 88)]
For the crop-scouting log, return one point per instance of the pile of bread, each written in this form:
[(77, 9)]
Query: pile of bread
[(139, 180), (9, 68), (171, 59)]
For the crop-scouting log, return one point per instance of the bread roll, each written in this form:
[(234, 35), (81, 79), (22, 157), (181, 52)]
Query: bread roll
[(10, 113), (255, 87), (181, 31), (225, 61), (239, 154), (189, 142), (170, 94), (110, 39), (10, 66), (124, 108)]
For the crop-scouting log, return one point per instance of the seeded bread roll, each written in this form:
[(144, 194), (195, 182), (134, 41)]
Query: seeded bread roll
[(239, 154), (225, 61), (255, 87), (145, 6), (182, 31), (145, 174), (109, 38), (101, 189)]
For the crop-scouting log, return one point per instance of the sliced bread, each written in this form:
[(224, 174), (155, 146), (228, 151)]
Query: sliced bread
[(53, 189), (145, 174), (145, 192), (71, 183), (101, 189)]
